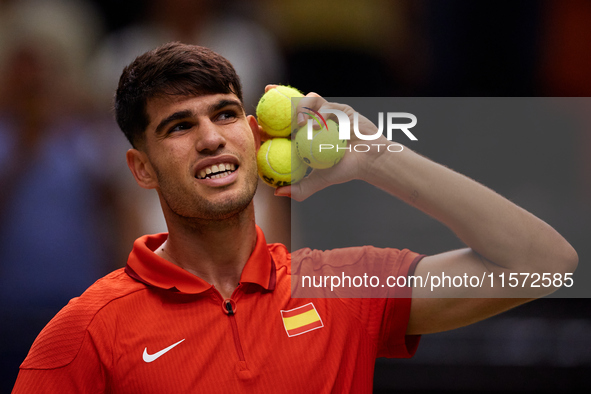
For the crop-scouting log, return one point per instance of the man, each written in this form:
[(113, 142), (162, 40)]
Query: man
[(208, 307)]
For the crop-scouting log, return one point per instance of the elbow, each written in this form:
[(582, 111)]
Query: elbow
[(570, 259), (559, 255), (565, 263), (560, 259), (564, 256)]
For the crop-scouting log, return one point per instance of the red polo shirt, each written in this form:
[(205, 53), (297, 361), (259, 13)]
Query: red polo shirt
[(156, 328)]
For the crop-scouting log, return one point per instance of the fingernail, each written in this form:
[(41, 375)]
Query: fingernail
[(300, 118), (281, 194)]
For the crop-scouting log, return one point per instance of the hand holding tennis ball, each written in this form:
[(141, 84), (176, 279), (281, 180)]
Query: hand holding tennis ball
[(279, 162)]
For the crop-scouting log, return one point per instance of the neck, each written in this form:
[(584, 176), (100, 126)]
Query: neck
[(214, 250)]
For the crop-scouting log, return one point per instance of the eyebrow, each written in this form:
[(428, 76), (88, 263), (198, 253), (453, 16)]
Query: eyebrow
[(171, 118), (224, 103), (188, 113)]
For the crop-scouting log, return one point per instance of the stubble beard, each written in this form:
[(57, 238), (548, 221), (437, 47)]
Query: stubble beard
[(194, 209)]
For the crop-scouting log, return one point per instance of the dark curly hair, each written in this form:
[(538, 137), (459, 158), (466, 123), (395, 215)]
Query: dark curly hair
[(173, 69)]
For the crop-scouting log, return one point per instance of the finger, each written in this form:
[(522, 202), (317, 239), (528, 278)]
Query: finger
[(283, 191), (307, 186), (307, 108), (264, 136), (269, 87), (324, 113)]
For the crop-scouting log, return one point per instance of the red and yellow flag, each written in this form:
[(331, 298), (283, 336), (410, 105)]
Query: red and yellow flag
[(301, 320)]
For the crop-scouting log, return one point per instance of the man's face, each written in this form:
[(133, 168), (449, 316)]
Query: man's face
[(202, 154)]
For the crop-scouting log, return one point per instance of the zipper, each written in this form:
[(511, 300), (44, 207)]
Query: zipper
[(230, 310)]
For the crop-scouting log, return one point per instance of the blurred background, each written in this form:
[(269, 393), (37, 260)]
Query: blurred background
[(70, 210)]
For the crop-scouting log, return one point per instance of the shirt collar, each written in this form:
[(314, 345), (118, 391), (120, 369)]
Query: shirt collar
[(147, 267)]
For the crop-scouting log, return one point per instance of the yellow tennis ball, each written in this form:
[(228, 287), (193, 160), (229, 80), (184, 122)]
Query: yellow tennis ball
[(324, 150), (277, 165), (275, 110)]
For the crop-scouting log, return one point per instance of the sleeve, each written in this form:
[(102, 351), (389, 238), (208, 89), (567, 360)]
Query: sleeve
[(393, 341), (70, 355), (373, 284), (84, 374)]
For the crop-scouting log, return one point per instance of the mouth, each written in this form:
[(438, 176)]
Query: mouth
[(215, 171)]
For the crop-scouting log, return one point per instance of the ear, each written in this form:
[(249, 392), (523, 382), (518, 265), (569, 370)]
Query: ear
[(256, 131), (142, 170)]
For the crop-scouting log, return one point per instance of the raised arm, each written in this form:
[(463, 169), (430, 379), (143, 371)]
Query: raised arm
[(501, 237)]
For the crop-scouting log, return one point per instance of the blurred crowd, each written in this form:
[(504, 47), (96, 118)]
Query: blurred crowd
[(70, 209)]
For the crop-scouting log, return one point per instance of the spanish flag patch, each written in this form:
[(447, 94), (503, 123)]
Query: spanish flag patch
[(301, 320)]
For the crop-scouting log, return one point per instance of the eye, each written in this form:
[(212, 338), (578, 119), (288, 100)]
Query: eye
[(180, 127), (226, 115)]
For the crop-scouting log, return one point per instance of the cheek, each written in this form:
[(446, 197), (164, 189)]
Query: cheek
[(170, 163), (247, 144), (182, 149)]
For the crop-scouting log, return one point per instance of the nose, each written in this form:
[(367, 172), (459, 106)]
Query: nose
[(210, 138)]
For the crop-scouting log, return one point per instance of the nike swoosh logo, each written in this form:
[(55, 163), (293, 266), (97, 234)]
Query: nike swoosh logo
[(151, 357)]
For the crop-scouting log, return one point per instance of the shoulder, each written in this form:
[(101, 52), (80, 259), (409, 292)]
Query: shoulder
[(352, 256), (354, 272), (343, 257), (281, 256), (59, 342)]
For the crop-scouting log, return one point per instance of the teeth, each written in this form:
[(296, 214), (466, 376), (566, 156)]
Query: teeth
[(219, 170)]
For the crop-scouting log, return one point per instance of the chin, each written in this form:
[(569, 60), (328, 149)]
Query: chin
[(221, 208), (212, 204)]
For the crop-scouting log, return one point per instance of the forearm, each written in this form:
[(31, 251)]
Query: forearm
[(491, 225), (507, 236)]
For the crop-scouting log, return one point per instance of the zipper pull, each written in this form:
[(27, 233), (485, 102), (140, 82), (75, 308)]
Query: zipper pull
[(229, 306)]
